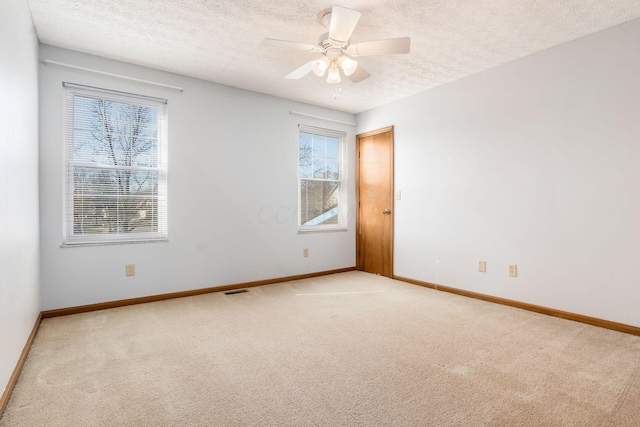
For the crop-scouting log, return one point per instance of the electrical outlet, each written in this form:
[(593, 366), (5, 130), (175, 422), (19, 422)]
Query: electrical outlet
[(305, 252), (482, 266), (513, 270), (130, 270)]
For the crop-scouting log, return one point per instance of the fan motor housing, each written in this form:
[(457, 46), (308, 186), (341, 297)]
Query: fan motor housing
[(328, 43)]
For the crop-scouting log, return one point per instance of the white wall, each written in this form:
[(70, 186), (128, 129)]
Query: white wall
[(535, 163), (232, 191), (19, 287)]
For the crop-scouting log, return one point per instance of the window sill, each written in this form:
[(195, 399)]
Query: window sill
[(121, 242), (321, 230)]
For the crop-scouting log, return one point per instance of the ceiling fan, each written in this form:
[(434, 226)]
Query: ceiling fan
[(337, 50)]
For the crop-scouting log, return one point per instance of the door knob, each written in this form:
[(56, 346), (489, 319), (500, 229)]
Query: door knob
[(386, 212)]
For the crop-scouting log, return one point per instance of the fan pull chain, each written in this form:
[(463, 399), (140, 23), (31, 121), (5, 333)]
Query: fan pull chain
[(337, 91)]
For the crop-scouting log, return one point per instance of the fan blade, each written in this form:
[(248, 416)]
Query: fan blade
[(359, 75), (343, 21), (380, 47), (300, 72), (292, 45)]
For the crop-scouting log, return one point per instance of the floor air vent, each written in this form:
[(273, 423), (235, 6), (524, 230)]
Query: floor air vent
[(238, 291)]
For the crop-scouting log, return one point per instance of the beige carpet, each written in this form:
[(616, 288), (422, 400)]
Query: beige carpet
[(343, 350)]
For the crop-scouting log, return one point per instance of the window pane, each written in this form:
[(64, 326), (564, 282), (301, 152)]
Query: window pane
[(319, 147), (318, 156), (113, 201), (332, 170), (319, 168), (304, 155), (114, 133), (101, 214), (333, 148), (324, 157), (305, 139), (83, 118), (319, 202)]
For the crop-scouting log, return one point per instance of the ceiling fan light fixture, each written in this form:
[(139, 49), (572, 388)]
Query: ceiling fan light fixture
[(348, 65), (334, 75), (319, 66), (337, 51)]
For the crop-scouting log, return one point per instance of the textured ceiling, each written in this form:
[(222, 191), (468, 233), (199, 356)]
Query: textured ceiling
[(220, 40)]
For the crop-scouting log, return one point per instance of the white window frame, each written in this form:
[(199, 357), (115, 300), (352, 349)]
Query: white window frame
[(342, 197), (69, 238)]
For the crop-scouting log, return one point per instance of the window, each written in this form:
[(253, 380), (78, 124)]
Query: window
[(116, 170), (321, 179)]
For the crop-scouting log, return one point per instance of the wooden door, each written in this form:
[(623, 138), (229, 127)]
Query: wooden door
[(374, 194)]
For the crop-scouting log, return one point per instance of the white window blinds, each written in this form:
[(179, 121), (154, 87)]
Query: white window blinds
[(116, 166)]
